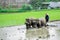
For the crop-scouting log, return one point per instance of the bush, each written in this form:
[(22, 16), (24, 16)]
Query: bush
[(25, 7), (7, 10)]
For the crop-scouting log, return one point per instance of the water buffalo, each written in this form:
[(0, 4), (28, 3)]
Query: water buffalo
[(43, 21), (32, 22)]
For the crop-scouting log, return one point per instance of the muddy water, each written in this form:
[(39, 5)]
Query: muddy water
[(53, 32), (34, 34)]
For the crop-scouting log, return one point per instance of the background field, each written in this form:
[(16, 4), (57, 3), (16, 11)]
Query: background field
[(12, 19)]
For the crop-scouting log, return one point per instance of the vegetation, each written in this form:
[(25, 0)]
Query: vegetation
[(10, 19), (25, 7), (36, 3)]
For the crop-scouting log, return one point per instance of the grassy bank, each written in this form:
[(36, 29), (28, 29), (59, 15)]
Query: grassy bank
[(10, 19)]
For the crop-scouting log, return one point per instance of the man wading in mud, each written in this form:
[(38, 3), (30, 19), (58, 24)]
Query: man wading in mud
[(47, 18)]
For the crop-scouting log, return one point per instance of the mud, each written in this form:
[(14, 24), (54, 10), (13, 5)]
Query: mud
[(51, 32)]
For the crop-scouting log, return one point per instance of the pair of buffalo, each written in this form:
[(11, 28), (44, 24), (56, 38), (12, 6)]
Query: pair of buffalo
[(35, 23)]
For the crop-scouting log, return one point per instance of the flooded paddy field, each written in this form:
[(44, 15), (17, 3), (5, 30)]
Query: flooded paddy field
[(51, 32), (36, 33)]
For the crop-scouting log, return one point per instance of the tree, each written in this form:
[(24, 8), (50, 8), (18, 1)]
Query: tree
[(36, 3)]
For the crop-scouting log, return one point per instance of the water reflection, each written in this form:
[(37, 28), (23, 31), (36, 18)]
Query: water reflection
[(53, 32)]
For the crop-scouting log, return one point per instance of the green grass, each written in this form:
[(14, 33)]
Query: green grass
[(10, 19)]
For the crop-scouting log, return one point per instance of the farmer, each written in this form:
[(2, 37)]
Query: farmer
[(47, 18)]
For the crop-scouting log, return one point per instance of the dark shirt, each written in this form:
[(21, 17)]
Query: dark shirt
[(47, 18)]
